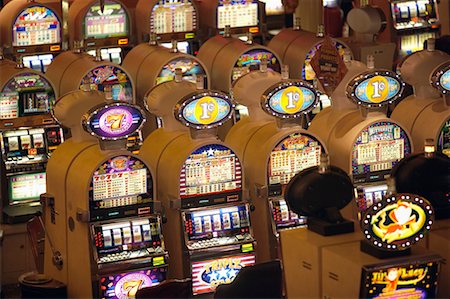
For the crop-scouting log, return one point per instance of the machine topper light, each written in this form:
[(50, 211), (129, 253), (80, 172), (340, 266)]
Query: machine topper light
[(290, 99), (113, 121), (440, 78), (204, 110), (375, 89), (398, 222)]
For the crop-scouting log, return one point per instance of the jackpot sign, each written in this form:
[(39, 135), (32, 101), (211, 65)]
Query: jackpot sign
[(115, 121), (398, 222), (375, 89), (290, 99)]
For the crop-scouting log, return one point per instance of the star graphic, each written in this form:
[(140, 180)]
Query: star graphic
[(233, 273), (223, 273), (213, 276), (210, 152)]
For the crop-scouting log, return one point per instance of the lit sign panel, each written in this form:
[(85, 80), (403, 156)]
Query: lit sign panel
[(169, 16), (444, 139), (290, 99), (190, 68), (397, 222), (237, 13), (111, 22), (441, 78), (115, 121), (250, 61)]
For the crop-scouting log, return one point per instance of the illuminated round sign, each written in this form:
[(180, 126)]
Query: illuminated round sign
[(398, 221), (290, 99), (204, 110), (114, 121), (441, 78), (375, 89), (128, 285)]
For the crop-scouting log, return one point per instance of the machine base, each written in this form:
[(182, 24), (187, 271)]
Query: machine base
[(325, 228), (20, 214), (366, 247)]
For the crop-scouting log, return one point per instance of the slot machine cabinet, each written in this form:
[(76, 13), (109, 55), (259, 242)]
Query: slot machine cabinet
[(32, 30), (114, 244), (28, 136), (201, 190), (170, 20), (426, 113), (409, 23), (275, 16), (274, 148), (111, 30)]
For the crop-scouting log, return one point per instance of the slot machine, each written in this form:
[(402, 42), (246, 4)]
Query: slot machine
[(426, 113), (409, 23), (103, 225), (362, 140), (32, 30), (275, 16), (200, 183), (28, 136), (170, 21), (108, 28), (274, 147)]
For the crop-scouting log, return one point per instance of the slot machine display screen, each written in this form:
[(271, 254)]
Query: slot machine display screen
[(444, 139), (125, 285), (412, 279), (182, 47), (111, 77), (377, 149), (36, 25), (210, 169), (369, 195), (250, 61), (237, 13), (173, 16), (28, 187), (307, 71), (111, 22), (26, 94), (217, 223), (189, 67), (273, 7), (414, 13), (283, 216), (19, 145), (208, 274), (119, 182)]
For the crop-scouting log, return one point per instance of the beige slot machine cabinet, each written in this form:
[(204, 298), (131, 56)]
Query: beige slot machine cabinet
[(171, 21), (201, 187), (108, 28), (32, 30), (274, 147), (426, 113), (28, 136), (108, 235)]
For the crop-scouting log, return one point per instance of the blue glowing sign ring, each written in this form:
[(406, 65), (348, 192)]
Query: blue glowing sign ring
[(204, 109), (113, 121), (440, 78), (290, 99), (375, 89), (398, 221)]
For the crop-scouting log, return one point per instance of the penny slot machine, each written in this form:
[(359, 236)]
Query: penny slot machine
[(201, 181), (170, 21), (28, 136), (426, 113), (117, 227), (108, 28), (32, 30)]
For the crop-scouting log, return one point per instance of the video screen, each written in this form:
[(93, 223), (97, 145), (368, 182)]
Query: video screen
[(414, 13), (273, 7), (208, 274), (411, 279), (444, 139), (369, 195), (26, 187), (125, 285), (378, 148), (283, 217), (189, 67), (216, 223), (36, 25), (21, 146), (111, 22), (210, 169), (293, 154), (113, 79), (307, 71), (250, 61), (172, 16), (237, 13)]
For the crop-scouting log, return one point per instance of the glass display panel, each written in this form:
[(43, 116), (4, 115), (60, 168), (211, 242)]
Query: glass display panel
[(208, 274), (444, 139), (210, 169), (414, 14), (21, 145), (111, 22), (109, 54), (237, 13), (38, 62), (171, 16), (189, 67), (113, 79), (26, 187), (369, 195), (283, 216), (274, 7), (250, 61), (182, 47), (36, 25)]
